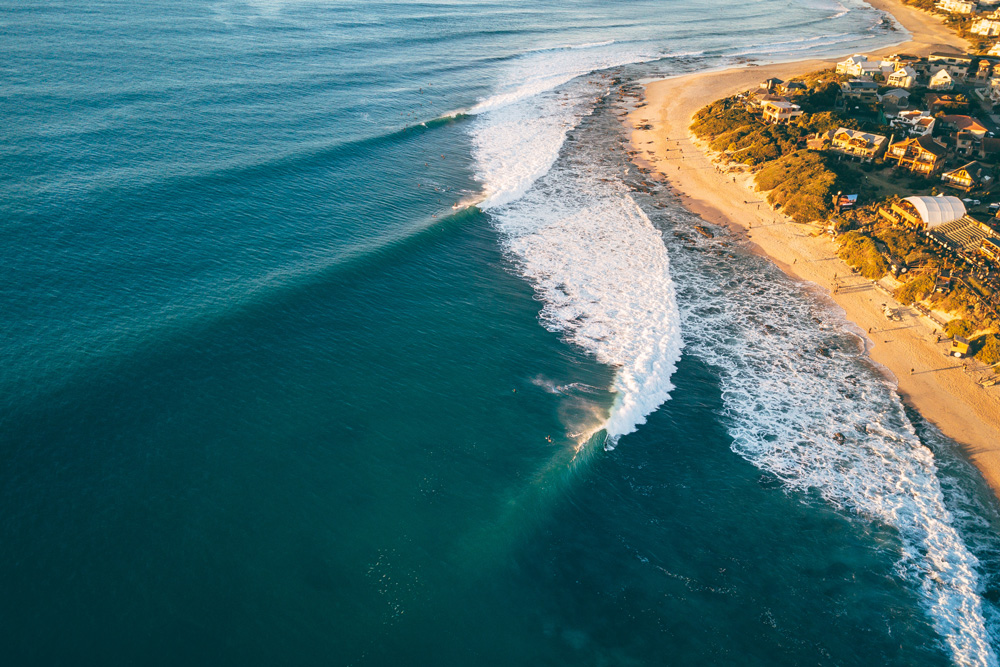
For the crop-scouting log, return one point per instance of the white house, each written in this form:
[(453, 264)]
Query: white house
[(852, 65), (780, 111), (986, 28), (914, 123), (859, 65), (902, 78), (957, 6), (994, 50), (941, 81)]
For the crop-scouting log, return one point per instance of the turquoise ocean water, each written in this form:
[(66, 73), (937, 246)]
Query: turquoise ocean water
[(273, 392)]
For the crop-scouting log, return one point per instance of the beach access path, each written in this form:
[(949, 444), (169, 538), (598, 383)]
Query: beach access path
[(940, 387)]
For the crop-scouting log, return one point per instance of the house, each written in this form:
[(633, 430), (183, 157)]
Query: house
[(941, 81), (914, 123), (959, 123), (984, 69), (994, 50), (770, 85), (902, 78), (956, 64), (897, 97), (859, 89), (925, 212), (943, 58), (966, 144), (794, 88), (921, 155), (986, 28), (936, 102), (859, 65), (759, 99), (852, 66), (780, 111), (968, 176), (859, 144), (957, 6), (990, 249)]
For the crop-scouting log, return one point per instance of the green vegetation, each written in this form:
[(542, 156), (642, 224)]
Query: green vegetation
[(729, 127), (988, 348), (959, 327), (803, 184), (860, 252), (917, 289), (900, 242), (959, 301), (720, 117)]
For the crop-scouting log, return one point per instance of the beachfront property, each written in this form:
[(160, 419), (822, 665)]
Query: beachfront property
[(794, 88), (957, 6), (859, 65), (770, 85), (941, 80), (920, 155), (986, 28), (914, 123), (904, 77), (859, 144), (968, 176), (779, 111)]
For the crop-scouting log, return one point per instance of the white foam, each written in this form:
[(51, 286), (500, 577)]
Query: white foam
[(602, 272), (519, 130), (594, 258), (831, 424)]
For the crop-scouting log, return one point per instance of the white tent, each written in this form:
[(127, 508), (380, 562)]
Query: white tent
[(936, 211)]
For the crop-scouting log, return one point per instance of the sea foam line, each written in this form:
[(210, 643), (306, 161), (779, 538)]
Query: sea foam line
[(802, 402)]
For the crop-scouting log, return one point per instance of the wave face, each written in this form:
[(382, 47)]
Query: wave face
[(803, 402), (597, 264)]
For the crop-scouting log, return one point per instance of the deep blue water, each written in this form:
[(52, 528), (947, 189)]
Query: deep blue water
[(273, 392)]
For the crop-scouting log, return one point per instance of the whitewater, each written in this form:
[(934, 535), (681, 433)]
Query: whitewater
[(801, 401)]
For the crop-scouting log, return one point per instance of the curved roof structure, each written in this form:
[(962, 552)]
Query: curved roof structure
[(935, 211)]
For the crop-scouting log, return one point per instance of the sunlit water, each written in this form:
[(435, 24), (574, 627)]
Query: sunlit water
[(275, 393)]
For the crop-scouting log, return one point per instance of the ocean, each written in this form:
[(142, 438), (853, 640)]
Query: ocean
[(341, 333)]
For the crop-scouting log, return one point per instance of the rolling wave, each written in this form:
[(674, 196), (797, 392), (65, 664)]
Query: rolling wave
[(597, 264)]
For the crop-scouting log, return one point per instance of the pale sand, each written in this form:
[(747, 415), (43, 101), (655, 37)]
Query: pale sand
[(938, 387)]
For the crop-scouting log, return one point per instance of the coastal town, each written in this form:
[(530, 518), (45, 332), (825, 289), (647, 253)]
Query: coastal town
[(896, 157)]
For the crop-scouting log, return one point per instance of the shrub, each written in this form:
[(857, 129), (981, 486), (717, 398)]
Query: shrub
[(861, 252), (900, 242), (988, 348), (802, 184), (720, 117), (959, 327), (917, 289)]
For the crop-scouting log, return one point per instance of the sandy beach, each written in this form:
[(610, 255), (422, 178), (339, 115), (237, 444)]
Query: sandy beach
[(943, 389)]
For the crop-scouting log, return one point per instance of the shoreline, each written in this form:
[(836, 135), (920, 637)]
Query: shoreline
[(936, 385)]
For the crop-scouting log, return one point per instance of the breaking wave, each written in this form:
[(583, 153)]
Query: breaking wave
[(568, 221)]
